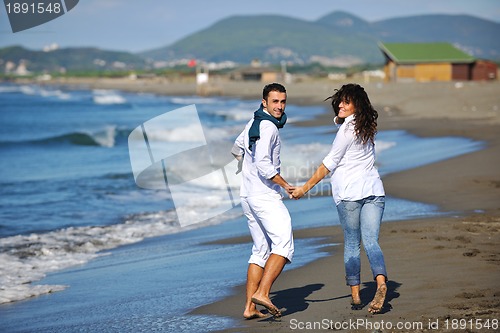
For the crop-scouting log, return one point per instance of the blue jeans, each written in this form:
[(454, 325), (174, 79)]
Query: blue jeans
[(361, 220)]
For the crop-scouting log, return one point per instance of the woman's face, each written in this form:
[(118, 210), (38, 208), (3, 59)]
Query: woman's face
[(346, 109)]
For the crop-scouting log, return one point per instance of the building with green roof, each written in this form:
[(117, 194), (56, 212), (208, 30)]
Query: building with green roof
[(433, 62)]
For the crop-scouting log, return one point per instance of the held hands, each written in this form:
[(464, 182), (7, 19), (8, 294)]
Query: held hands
[(289, 190), (295, 192), (298, 193)]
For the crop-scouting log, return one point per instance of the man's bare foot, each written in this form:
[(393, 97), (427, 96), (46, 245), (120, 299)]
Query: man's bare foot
[(378, 301), (268, 305), (253, 314)]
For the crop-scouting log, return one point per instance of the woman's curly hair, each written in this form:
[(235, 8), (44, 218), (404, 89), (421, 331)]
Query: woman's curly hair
[(365, 116)]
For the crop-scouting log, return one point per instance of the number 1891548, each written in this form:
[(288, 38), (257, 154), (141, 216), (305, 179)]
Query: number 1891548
[(472, 324), (32, 8)]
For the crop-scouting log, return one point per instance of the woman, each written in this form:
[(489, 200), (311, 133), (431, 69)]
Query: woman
[(357, 189)]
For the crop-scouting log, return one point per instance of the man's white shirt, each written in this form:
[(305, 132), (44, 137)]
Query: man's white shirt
[(262, 162)]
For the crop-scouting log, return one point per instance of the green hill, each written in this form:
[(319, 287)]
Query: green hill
[(71, 59), (270, 38), (338, 37)]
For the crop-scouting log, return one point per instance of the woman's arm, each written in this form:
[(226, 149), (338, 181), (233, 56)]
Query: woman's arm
[(318, 175), (343, 139)]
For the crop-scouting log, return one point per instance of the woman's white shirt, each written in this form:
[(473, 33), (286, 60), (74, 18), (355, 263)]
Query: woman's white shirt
[(352, 163)]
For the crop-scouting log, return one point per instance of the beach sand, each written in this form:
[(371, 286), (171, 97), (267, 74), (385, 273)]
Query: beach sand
[(443, 271)]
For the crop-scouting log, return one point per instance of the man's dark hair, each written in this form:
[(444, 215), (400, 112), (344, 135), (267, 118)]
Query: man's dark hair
[(272, 87)]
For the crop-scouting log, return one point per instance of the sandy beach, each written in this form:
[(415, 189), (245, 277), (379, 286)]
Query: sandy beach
[(443, 272)]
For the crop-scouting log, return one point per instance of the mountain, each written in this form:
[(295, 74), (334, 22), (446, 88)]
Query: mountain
[(271, 38), (338, 37), (344, 20), (70, 59)]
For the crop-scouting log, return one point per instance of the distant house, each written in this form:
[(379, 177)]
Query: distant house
[(256, 73), (484, 70), (433, 62)]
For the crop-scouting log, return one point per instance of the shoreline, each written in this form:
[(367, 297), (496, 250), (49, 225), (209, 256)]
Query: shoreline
[(440, 268)]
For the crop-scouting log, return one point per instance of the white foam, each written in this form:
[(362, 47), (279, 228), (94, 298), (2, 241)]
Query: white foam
[(299, 161), (105, 137), (380, 146), (194, 100), (237, 114), (25, 259), (28, 90), (37, 90), (9, 89), (108, 97), (207, 208), (190, 133), (54, 93)]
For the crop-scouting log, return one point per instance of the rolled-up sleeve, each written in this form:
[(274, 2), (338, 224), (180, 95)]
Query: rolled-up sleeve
[(264, 150), (239, 145), (341, 143)]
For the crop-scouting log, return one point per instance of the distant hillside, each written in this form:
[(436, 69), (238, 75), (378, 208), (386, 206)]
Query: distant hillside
[(346, 21), (337, 38), (271, 38), (70, 59)]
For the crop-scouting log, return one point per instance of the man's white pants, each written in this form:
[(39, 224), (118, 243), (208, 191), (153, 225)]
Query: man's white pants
[(270, 226)]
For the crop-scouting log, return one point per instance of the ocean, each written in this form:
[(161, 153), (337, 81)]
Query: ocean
[(84, 248)]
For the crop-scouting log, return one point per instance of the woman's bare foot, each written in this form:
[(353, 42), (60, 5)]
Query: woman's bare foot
[(355, 298), (378, 301), (253, 314), (268, 305), (356, 303)]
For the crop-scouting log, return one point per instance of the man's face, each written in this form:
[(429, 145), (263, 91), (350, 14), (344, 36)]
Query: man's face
[(275, 103)]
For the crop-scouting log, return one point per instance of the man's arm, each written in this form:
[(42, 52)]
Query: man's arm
[(283, 183), (263, 151), (238, 151), (239, 158)]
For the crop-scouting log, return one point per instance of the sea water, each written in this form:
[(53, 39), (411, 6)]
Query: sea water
[(73, 220)]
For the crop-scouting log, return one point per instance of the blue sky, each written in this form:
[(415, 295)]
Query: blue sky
[(139, 25)]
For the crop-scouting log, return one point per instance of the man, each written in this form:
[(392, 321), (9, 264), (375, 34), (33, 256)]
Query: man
[(258, 150)]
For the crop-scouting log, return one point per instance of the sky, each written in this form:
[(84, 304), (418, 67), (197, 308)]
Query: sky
[(141, 25)]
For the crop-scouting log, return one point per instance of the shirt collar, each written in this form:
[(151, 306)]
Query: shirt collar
[(351, 117)]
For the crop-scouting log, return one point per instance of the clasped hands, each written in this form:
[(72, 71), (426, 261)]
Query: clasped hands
[(295, 192)]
